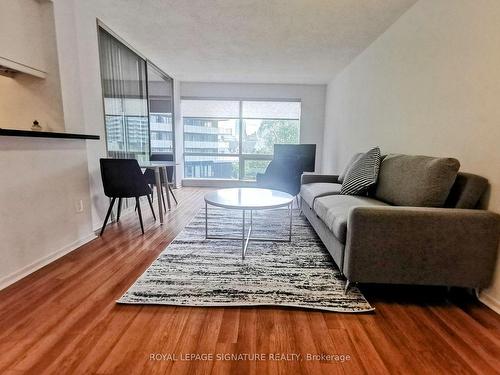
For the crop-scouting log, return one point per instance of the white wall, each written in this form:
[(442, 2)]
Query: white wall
[(429, 85), (43, 180), (26, 98), (312, 97), (23, 27)]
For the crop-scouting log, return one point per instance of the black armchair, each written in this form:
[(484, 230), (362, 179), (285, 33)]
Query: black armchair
[(123, 178), (287, 166)]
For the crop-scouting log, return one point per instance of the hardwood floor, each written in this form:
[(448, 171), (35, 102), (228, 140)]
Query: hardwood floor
[(63, 319)]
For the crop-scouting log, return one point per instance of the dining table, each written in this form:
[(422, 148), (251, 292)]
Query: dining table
[(160, 167)]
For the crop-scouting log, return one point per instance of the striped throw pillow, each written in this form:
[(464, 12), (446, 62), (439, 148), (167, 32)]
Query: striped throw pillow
[(363, 174)]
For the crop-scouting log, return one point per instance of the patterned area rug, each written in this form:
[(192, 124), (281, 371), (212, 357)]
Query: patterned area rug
[(193, 271)]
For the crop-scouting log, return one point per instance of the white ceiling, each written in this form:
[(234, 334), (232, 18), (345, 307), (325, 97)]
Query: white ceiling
[(259, 41)]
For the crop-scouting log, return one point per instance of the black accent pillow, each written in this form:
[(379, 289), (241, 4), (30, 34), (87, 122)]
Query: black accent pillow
[(363, 174)]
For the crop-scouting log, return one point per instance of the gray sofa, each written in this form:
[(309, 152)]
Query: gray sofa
[(418, 225)]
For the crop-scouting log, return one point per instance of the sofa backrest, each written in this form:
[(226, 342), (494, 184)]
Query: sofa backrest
[(415, 180), (466, 191), (353, 159)]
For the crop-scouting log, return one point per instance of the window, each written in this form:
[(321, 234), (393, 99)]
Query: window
[(137, 102), (234, 139), (160, 91), (124, 89)]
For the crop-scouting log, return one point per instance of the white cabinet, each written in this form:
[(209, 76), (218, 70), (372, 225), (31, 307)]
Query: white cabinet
[(21, 36)]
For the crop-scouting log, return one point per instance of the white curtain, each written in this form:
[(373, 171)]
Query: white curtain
[(123, 75)]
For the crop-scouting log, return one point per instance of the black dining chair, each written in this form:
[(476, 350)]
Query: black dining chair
[(149, 174), (123, 178)]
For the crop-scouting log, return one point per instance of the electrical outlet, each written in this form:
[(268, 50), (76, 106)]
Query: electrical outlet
[(79, 206)]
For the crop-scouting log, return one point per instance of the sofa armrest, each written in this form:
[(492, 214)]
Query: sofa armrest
[(413, 245), (310, 178)]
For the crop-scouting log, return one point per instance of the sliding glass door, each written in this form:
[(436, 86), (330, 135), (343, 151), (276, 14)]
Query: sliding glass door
[(138, 102), (160, 95), (124, 86)]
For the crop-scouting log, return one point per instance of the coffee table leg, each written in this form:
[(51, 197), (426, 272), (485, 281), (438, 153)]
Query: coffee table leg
[(243, 237), (206, 220)]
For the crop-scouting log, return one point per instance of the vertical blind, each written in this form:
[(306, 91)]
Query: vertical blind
[(124, 84), (160, 93)]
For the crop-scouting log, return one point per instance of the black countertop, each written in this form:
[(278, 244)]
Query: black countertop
[(42, 134)]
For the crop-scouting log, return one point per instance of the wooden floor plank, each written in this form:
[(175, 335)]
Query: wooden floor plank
[(63, 319)]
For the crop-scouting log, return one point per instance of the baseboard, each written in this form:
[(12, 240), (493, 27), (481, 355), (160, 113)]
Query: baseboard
[(490, 301), (36, 265)]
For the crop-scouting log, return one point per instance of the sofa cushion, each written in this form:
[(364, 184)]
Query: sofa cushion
[(363, 174), (421, 181), (333, 210), (354, 158), (309, 192)]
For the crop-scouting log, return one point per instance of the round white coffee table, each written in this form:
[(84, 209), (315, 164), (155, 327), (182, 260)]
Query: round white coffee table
[(248, 199)]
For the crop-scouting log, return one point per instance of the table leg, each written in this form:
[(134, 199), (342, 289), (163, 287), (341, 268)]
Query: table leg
[(165, 175), (158, 191)]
